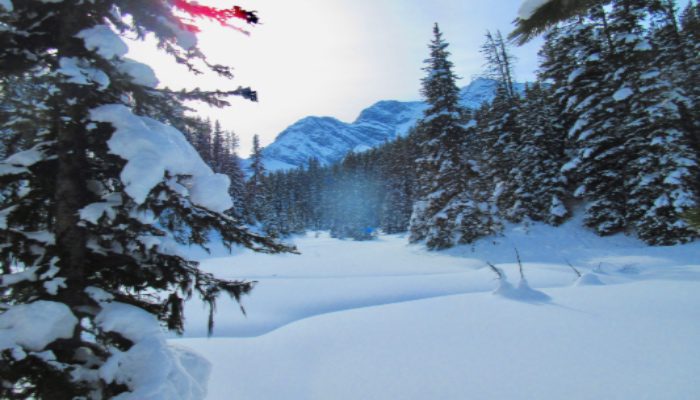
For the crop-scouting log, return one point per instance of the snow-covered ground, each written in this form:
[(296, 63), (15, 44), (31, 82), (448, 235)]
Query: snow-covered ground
[(389, 320)]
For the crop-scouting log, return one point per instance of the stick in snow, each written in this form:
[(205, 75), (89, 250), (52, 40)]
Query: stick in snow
[(495, 270), (574, 268)]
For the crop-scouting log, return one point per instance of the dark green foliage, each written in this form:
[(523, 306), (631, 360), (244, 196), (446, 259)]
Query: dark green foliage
[(255, 191), (124, 253), (441, 174)]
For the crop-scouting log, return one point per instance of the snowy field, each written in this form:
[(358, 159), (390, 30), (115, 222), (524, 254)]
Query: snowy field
[(388, 320)]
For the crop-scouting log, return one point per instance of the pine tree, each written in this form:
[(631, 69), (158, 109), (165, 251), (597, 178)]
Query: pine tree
[(690, 77), (441, 173), (233, 169), (584, 84), (499, 136), (219, 152), (92, 205), (541, 192), (662, 172), (255, 196)]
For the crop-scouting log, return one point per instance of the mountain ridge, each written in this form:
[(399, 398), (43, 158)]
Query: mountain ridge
[(329, 139)]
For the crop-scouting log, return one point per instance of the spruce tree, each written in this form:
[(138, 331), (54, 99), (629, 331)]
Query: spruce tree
[(93, 206), (499, 133), (663, 168), (233, 169), (255, 194), (441, 173), (541, 192)]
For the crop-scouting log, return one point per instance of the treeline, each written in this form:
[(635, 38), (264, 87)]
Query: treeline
[(611, 124), (354, 198)]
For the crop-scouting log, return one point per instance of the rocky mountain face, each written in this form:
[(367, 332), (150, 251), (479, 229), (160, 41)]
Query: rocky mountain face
[(329, 139)]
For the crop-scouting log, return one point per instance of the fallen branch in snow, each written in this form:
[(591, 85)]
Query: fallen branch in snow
[(574, 268), (497, 271)]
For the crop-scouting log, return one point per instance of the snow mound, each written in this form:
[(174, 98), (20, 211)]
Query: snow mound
[(35, 325), (151, 368), (151, 149), (588, 279), (523, 292)]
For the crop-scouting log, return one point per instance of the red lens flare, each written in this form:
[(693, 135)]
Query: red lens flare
[(222, 15)]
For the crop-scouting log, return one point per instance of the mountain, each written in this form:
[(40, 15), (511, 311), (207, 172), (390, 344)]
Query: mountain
[(329, 139)]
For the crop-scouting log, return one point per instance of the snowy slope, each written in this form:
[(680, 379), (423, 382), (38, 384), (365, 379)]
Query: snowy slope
[(388, 320), (329, 139)]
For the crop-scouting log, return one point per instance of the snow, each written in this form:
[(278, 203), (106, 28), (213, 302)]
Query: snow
[(35, 325), (588, 279), (384, 319), (140, 73), (93, 212), (557, 209), (28, 274), (54, 285), (152, 149), (622, 93), (643, 45), (205, 192), (7, 5), (523, 292), (104, 41), (79, 72), (575, 74), (25, 158), (529, 7), (595, 342), (152, 369), (11, 170)]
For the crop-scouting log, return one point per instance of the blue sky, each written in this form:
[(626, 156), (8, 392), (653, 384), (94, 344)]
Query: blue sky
[(337, 57)]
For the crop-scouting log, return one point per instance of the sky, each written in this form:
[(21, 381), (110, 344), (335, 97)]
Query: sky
[(335, 57)]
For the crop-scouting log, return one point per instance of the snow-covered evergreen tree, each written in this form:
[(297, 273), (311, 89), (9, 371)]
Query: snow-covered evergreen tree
[(93, 206), (590, 118), (499, 133), (663, 168), (232, 168), (541, 192), (255, 193), (441, 173)]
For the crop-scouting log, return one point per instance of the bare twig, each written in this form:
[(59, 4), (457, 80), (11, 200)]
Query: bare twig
[(520, 263), (495, 270), (574, 268), (600, 267)]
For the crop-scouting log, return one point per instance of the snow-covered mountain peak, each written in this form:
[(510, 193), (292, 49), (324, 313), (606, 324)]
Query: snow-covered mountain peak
[(329, 140)]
